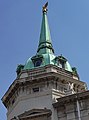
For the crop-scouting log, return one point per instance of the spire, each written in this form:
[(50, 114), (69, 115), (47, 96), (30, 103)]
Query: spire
[(45, 45)]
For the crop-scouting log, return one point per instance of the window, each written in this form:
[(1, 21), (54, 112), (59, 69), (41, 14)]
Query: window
[(63, 64), (13, 101), (37, 62), (36, 89)]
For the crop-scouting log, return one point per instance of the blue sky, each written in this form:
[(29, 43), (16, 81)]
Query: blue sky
[(20, 22)]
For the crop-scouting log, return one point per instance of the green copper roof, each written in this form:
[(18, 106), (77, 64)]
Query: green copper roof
[(46, 59), (45, 45), (45, 53)]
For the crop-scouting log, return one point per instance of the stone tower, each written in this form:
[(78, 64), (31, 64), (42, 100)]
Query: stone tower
[(45, 85)]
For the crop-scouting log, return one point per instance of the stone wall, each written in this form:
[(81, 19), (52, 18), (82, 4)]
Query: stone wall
[(73, 107)]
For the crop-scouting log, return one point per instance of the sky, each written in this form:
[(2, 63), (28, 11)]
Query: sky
[(20, 23)]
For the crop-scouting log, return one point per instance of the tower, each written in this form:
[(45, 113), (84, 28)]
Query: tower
[(42, 83)]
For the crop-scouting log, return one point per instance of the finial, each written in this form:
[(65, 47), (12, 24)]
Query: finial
[(45, 7)]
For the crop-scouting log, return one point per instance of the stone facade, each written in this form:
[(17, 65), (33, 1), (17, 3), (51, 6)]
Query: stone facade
[(47, 87), (73, 107)]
